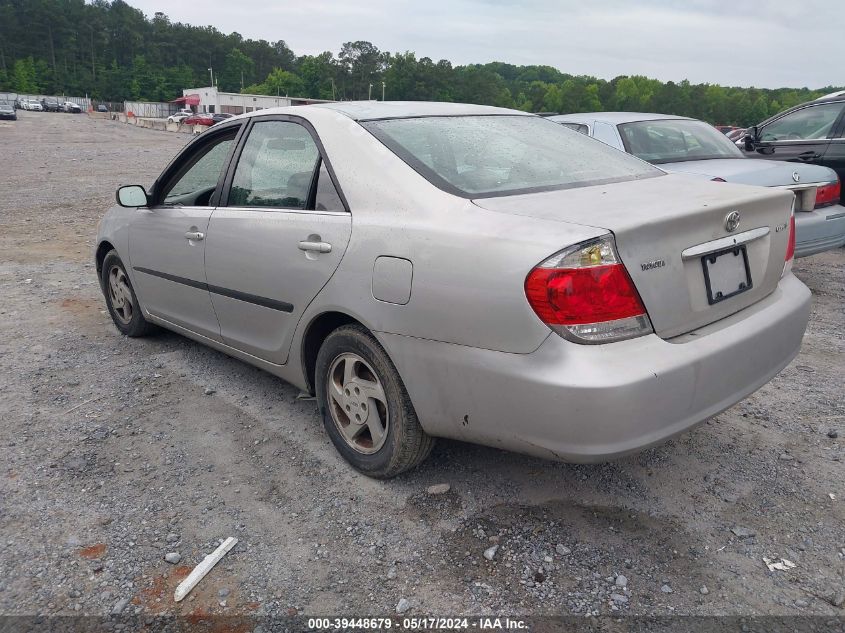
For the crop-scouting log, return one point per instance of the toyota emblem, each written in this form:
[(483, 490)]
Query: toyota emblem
[(732, 221), (796, 176)]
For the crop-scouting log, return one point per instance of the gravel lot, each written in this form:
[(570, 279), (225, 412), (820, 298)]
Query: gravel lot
[(119, 451)]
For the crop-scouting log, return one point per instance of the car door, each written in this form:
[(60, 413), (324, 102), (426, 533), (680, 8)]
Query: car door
[(167, 240), (277, 240), (802, 135)]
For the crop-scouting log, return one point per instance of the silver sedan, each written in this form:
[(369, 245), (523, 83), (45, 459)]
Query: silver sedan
[(688, 146), (443, 270)]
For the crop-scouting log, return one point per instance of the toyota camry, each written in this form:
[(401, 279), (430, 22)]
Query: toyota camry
[(444, 270)]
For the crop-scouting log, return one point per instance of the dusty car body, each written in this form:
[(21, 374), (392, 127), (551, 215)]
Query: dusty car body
[(688, 146), (479, 272)]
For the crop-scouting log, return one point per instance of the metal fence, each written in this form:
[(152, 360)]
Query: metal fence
[(11, 97), (149, 110)]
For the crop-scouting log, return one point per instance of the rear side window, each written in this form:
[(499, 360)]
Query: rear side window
[(276, 167), (327, 198), (495, 155), (578, 127)]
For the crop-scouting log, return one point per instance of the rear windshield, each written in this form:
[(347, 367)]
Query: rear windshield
[(675, 140), (495, 155)]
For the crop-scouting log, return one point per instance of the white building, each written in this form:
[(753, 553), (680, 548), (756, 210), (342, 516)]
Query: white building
[(211, 100)]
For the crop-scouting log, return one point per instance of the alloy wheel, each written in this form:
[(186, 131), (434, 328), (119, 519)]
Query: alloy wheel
[(357, 403), (120, 295)]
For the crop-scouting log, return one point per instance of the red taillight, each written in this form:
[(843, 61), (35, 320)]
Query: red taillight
[(585, 293), (790, 246), (828, 194), (574, 296)]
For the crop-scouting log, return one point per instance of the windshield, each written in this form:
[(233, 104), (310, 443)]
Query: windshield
[(483, 156), (675, 140)]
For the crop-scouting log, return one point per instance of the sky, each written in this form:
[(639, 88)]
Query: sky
[(771, 44)]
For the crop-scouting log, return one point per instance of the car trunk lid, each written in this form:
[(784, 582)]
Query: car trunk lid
[(664, 227)]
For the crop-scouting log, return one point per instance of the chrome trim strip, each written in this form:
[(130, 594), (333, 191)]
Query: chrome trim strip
[(801, 186), (725, 242)]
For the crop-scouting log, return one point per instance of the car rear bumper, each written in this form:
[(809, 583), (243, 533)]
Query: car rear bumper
[(819, 230), (586, 403)]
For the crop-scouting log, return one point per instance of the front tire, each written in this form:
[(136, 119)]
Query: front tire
[(366, 410), (123, 305)]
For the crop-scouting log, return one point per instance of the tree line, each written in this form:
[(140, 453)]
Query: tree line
[(113, 52)]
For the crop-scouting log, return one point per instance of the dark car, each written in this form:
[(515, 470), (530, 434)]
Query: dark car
[(7, 111), (102, 108), (221, 116), (812, 132), (50, 104)]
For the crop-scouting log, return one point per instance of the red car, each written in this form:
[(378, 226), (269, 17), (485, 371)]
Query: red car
[(199, 119)]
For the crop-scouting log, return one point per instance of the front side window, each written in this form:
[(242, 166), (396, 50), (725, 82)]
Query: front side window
[(675, 140), (276, 167), (811, 123), (194, 184), (494, 155)]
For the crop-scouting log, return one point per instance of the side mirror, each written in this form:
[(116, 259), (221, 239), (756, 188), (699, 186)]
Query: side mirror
[(750, 138), (131, 196)]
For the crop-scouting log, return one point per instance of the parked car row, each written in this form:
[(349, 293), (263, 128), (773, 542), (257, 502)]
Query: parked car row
[(187, 117), (47, 104), (506, 281), (810, 137)]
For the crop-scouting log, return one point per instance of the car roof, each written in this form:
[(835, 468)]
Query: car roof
[(371, 110), (614, 118), (834, 96)]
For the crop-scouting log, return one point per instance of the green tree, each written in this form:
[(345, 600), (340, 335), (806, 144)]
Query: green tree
[(238, 71), (362, 64), (279, 82), (24, 77), (318, 75)]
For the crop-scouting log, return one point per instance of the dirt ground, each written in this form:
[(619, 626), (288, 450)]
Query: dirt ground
[(115, 454)]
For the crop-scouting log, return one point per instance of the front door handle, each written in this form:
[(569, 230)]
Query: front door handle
[(808, 156), (317, 247), (195, 236)]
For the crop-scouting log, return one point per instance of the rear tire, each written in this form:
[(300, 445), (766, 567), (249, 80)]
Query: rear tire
[(123, 305), (366, 410)]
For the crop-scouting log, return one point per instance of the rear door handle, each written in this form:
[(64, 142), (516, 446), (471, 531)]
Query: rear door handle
[(317, 247), (808, 156), (195, 236)]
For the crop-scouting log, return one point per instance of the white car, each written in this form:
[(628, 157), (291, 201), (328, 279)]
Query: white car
[(178, 117), (34, 105), (70, 106)]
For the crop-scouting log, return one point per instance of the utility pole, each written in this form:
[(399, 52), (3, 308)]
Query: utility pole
[(211, 74), (333, 95), (382, 90), (242, 81), (370, 93), (93, 68)]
